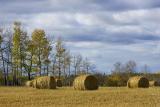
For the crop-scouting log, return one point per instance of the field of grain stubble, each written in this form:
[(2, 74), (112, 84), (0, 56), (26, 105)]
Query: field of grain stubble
[(68, 97)]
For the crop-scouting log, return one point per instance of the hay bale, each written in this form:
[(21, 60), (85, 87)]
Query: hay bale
[(153, 83), (29, 83), (59, 82), (138, 82), (45, 82), (85, 82), (34, 82)]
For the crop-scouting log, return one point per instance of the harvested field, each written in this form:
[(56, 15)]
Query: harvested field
[(68, 97)]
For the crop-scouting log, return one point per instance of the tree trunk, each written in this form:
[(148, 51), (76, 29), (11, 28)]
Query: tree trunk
[(4, 71), (75, 70), (54, 63), (29, 75), (17, 76), (21, 61), (44, 70), (39, 58), (47, 69), (7, 67), (30, 68), (12, 69), (69, 74), (59, 76)]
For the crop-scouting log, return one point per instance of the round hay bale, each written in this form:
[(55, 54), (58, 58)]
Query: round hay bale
[(34, 82), (153, 83), (29, 83), (138, 82), (85, 82), (45, 82), (59, 82)]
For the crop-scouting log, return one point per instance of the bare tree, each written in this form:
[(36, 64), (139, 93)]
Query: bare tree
[(130, 67), (118, 68), (145, 69), (60, 50), (77, 61), (2, 57)]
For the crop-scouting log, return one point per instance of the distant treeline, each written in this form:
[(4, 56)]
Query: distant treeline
[(122, 72), (121, 79)]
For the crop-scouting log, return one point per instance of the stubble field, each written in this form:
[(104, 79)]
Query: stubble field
[(68, 97)]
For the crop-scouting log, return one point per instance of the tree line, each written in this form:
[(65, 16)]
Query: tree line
[(24, 57), (121, 73)]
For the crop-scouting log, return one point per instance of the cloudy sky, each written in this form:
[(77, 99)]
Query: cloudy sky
[(105, 31)]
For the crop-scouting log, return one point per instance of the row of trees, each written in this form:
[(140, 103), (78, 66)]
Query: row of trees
[(24, 55), (122, 72)]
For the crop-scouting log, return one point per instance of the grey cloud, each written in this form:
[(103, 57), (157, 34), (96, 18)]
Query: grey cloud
[(128, 5), (40, 6), (117, 38)]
